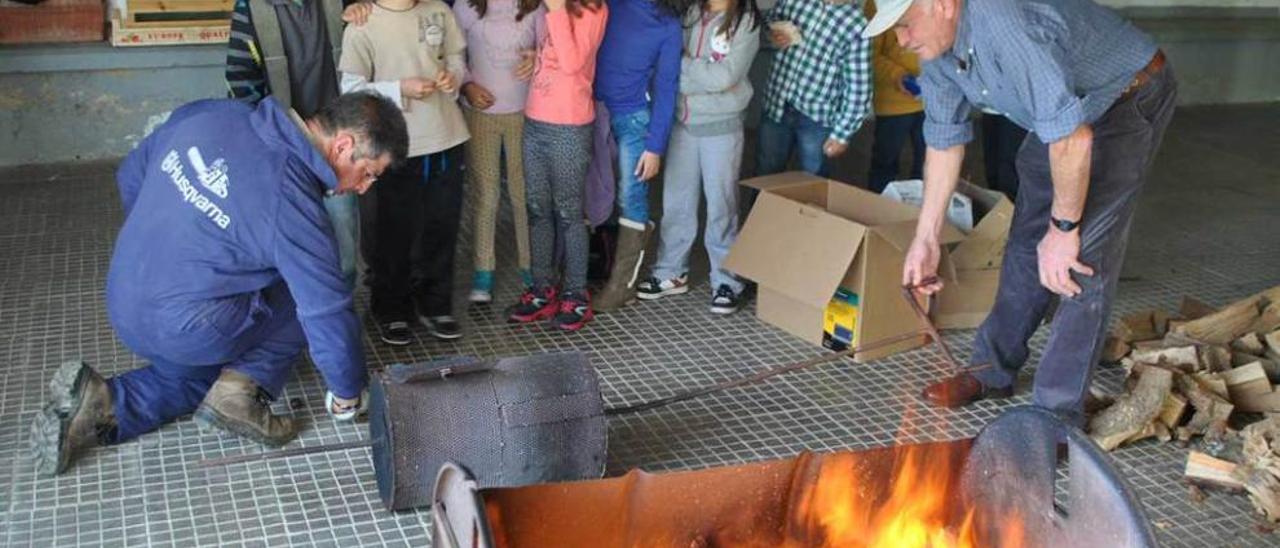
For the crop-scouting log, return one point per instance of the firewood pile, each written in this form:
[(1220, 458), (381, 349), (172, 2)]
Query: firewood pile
[(1196, 374)]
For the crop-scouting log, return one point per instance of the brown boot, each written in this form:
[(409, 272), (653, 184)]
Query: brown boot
[(238, 405), (621, 288), (78, 416), (961, 390)]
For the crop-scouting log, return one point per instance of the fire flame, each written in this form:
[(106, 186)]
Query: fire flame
[(918, 509)]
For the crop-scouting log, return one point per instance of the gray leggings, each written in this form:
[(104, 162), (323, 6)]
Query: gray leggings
[(555, 170)]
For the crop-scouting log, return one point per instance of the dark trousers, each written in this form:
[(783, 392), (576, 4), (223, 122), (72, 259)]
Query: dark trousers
[(891, 134), (1001, 139), (417, 209), (1125, 141)]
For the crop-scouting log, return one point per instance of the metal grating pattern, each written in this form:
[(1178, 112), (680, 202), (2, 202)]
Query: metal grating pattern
[(1203, 229)]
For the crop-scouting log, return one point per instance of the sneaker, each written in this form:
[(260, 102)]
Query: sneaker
[(725, 301), (653, 288), (574, 311), (534, 305), (442, 327), (481, 287), (397, 333)]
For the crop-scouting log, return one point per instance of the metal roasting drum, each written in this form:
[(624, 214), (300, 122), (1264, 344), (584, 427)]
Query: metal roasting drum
[(511, 422)]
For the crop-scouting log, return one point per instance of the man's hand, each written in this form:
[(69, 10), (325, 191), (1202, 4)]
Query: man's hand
[(834, 148), (357, 14), (417, 88), (446, 82), (1059, 254), (477, 96), (921, 263), (553, 5), (528, 62), (648, 166), (343, 409)]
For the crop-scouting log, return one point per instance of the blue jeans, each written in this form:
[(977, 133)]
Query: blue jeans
[(795, 130), (344, 215), (630, 130), (183, 366)]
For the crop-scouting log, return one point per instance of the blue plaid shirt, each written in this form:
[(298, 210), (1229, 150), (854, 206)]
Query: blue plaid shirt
[(827, 77), (1048, 65)]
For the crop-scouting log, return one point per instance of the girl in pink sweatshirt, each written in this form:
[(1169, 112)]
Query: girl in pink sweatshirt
[(557, 144)]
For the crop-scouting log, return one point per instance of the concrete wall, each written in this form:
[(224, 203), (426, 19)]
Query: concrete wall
[(65, 103)]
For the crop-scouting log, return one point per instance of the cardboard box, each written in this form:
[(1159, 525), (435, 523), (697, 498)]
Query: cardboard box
[(808, 236)]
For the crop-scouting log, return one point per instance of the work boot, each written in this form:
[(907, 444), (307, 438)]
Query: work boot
[(79, 416), (238, 405), (621, 288)]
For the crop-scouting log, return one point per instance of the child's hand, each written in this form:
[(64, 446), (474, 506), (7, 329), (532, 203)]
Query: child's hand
[(553, 5), (477, 96), (358, 13), (446, 82), (417, 88), (648, 166), (528, 61)]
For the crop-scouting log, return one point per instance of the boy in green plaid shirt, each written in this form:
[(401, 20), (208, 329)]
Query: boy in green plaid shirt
[(819, 90)]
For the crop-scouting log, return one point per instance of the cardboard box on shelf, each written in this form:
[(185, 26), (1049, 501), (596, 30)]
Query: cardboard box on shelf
[(807, 237)]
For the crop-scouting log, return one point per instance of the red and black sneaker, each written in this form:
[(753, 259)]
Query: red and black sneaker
[(535, 304), (575, 311)]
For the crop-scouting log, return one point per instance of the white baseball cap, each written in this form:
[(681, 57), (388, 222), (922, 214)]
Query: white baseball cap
[(888, 12)]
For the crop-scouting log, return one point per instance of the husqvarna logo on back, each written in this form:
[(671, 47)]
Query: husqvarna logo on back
[(212, 177)]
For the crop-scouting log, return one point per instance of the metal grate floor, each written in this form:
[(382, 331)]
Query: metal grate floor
[(1204, 229)]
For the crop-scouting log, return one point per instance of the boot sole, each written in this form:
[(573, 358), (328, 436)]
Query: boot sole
[(535, 317), (210, 419), (431, 330), (48, 435), (664, 293), (66, 385)]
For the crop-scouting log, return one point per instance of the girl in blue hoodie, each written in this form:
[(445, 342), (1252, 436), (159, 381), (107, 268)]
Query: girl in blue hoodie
[(637, 79)]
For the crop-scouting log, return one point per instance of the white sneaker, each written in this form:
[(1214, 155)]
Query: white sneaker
[(480, 296), (653, 289)]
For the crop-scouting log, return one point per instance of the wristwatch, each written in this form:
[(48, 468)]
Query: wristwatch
[(1064, 225)]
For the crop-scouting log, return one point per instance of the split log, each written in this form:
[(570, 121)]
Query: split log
[(1272, 340), (1172, 410), (1133, 411), (1215, 358), (1203, 469), (1160, 322), (1138, 326), (1153, 429), (1113, 349), (1249, 343), (1246, 380), (1182, 358), (1259, 403), (1212, 382), (1260, 472), (1194, 309), (1269, 319), (1225, 325), (1272, 367), (1210, 407)]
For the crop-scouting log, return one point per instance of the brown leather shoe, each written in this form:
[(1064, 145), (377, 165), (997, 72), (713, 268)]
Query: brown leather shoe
[(79, 416), (961, 390), (238, 405)]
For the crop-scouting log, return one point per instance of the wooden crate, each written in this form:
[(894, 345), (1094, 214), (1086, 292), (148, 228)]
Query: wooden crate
[(51, 21), (126, 36), (177, 13)]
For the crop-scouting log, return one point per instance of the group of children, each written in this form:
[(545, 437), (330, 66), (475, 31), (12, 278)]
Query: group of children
[(488, 83)]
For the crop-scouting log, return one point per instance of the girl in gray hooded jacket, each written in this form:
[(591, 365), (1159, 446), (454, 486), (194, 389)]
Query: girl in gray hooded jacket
[(705, 152)]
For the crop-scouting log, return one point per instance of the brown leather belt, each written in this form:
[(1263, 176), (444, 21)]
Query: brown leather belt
[(1145, 75)]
